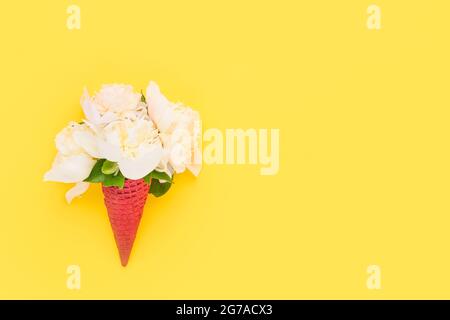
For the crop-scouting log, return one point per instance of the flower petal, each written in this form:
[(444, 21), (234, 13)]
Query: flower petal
[(108, 117), (159, 107), (155, 99), (88, 142), (70, 169), (108, 151), (163, 165), (76, 191), (139, 167), (89, 109), (194, 168)]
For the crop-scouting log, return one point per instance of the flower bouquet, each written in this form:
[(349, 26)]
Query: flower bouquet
[(131, 143)]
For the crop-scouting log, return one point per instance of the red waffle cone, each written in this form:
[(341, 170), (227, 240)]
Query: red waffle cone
[(125, 207)]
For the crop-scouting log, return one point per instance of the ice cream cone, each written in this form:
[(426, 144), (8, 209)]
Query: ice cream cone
[(125, 207)]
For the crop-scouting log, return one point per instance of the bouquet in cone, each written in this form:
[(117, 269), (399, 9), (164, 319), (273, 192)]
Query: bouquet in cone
[(133, 144)]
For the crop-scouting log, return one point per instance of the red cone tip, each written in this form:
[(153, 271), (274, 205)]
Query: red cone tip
[(125, 207)]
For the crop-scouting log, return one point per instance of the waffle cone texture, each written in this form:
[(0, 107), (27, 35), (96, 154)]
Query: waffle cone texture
[(125, 207)]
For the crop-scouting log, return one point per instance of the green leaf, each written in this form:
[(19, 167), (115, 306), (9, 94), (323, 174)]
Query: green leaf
[(114, 180), (158, 189), (143, 97), (157, 175), (161, 176), (109, 167), (96, 174)]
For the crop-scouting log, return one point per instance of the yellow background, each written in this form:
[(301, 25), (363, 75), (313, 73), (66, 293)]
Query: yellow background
[(364, 159)]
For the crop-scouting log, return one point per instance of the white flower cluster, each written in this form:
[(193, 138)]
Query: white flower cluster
[(140, 135)]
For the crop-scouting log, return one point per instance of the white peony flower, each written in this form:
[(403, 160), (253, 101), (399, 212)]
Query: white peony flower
[(134, 145), (113, 102), (77, 148), (180, 132), (139, 137)]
